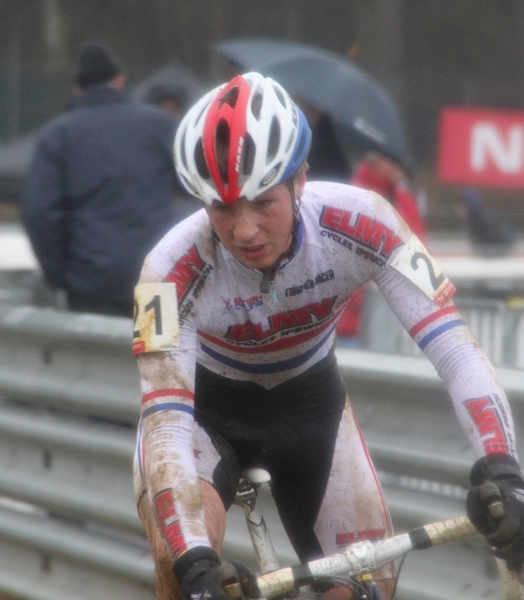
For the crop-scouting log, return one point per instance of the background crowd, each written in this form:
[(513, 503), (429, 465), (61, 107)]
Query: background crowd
[(101, 187)]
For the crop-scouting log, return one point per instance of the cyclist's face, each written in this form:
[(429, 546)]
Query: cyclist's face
[(256, 232)]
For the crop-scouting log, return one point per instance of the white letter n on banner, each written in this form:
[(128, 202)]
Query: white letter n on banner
[(487, 140)]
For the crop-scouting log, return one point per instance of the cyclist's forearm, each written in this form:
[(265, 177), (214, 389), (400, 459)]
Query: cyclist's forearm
[(469, 377), (478, 397), (170, 472)]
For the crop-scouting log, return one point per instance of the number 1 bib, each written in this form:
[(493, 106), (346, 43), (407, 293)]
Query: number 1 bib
[(155, 318)]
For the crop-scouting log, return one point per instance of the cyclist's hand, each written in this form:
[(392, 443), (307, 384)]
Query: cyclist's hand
[(202, 577), (495, 506)]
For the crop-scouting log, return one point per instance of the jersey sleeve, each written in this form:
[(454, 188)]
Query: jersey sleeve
[(419, 294), (165, 436)]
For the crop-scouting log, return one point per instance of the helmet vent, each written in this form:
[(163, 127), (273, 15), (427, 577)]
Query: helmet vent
[(274, 140), (249, 155), (222, 141), (199, 116), (183, 149), (256, 105), (230, 97), (200, 160), (280, 96)]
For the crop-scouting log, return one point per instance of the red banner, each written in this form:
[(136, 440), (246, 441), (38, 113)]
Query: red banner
[(481, 147)]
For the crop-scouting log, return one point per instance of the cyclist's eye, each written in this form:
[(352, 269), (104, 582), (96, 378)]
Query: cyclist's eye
[(262, 203), (220, 208)]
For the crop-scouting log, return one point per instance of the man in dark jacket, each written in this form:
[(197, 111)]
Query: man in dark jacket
[(101, 189)]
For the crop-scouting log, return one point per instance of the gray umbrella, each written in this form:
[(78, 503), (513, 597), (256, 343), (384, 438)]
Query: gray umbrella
[(361, 108)]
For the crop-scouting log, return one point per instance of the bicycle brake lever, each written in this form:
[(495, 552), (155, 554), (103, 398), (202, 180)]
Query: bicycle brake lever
[(490, 495), (233, 591)]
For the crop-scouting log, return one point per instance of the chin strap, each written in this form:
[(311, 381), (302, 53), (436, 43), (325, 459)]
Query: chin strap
[(269, 274)]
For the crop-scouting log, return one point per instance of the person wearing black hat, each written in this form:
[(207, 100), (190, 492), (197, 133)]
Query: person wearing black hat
[(96, 64), (101, 188)]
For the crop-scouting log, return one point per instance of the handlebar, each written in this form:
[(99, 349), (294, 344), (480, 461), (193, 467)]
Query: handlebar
[(365, 557)]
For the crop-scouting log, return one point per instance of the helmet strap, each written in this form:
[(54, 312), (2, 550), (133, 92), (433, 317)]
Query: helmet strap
[(269, 274)]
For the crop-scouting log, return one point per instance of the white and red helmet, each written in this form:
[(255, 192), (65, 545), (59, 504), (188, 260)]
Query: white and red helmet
[(265, 135)]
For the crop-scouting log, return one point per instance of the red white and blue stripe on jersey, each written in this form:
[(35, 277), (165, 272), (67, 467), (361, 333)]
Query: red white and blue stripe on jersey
[(152, 403), (155, 402), (284, 343), (434, 325)]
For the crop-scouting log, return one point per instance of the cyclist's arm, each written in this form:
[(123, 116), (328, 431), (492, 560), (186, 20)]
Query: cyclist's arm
[(437, 327), (167, 385), (420, 296)]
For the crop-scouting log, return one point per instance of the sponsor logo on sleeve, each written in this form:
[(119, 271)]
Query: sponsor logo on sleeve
[(189, 273), (490, 418), (169, 521)]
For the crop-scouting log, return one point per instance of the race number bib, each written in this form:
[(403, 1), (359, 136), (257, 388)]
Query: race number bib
[(156, 317), (416, 264)]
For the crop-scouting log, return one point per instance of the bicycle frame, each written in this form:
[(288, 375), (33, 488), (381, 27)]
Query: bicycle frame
[(356, 559), (246, 498)]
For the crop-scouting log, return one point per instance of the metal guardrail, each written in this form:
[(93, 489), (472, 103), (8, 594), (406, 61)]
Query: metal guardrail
[(498, 327), (68, 524)]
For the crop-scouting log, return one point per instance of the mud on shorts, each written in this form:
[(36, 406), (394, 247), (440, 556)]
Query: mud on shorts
[(303, 432)]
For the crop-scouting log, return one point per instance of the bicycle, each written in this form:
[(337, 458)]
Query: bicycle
[(352, 567)]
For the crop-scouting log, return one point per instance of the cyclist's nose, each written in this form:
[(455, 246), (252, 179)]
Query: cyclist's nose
[(245, 226)]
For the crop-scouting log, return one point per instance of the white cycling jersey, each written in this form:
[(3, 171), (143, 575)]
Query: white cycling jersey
[(347, 237)]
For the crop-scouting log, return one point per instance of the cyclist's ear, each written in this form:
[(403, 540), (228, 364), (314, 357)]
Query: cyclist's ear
[(299, 182)]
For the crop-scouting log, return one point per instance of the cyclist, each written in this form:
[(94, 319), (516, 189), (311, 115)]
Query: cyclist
[(245, 374)]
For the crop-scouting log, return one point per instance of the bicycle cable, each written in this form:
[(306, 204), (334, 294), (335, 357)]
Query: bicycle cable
[(396, 578), (352, 584)]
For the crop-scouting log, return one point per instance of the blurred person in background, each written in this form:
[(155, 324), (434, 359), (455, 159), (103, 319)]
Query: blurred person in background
[(327, 160), (489, 234), (380, 173), (100, 191), (171, 98)]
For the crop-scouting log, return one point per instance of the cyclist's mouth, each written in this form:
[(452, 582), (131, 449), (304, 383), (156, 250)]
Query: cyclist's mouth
[(254, 252)]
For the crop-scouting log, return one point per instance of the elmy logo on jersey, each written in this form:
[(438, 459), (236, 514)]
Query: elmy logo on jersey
[(311, 315), (361, 229), (188, 273)]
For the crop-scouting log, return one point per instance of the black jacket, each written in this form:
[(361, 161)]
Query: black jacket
[(100, 193)]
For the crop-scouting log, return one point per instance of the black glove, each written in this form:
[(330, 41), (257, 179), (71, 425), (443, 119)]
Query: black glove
[(202, 577), (495, 506)]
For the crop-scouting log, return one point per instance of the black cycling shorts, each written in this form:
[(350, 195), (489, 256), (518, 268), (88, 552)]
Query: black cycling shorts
[(289, 430)]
